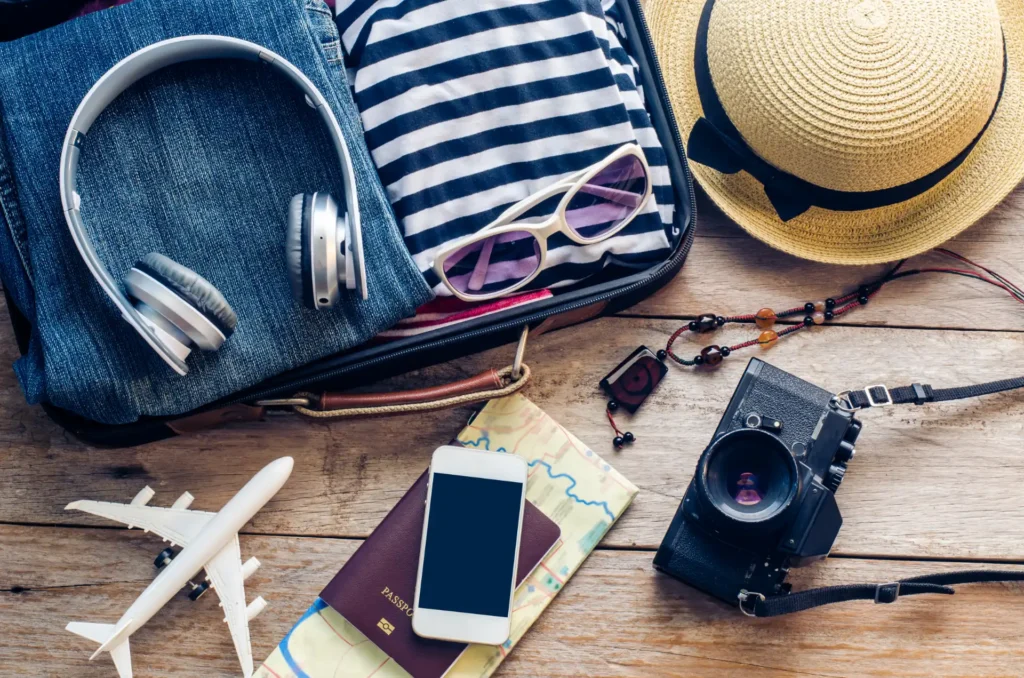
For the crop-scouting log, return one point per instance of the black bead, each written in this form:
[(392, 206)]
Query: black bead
[(809, 307), (808, 321), (662, 354), (726, 351), (613, 405), (618, 442), (863, 290), (706, 322), (830, 303), (693, 326), (862, 299), (712, 355), (720, 320), (829, 315), (628, 437), (698, 360)]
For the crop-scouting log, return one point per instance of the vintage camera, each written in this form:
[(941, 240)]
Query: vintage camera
[(763, 497)]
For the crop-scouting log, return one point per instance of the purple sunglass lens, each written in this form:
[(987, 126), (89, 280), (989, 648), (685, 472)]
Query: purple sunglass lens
[(493, 265), (608, 199)]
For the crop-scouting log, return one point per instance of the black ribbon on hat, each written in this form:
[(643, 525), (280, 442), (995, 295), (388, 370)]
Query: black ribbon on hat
[(715, 142)]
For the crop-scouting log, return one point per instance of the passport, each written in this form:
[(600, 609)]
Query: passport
[(376, 588)]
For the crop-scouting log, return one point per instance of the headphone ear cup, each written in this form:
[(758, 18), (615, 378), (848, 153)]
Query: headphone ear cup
[(183, 298), (298, 249)]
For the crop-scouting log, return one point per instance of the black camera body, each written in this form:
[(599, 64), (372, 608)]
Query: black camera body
[(763, 497)]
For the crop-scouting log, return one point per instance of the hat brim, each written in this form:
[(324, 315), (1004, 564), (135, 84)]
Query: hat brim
[(989, 174)]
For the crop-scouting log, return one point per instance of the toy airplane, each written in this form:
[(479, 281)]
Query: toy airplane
[(210, 541)]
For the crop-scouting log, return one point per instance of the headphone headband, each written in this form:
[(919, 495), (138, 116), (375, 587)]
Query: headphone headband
[(123, 75)]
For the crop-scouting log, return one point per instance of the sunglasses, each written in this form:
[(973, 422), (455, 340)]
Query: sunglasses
[(506, 255)]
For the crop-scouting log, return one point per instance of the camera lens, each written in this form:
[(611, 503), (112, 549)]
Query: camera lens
[(746, 489), (749, 476)]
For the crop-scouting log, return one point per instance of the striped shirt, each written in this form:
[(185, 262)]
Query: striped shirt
[(472, 105)]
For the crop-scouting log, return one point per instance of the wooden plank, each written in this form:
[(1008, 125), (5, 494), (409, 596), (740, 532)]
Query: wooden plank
[(617, 617), (63, 575), (938, 481), (730, 273)]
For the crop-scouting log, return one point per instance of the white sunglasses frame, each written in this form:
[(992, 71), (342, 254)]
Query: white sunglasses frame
[(542, 230)]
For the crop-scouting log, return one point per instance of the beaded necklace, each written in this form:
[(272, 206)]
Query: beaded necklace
[(639, 379)]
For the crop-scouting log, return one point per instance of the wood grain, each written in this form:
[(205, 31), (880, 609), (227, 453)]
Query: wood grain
[(936, 481), (730, 273), (617, 617), (939, 482)]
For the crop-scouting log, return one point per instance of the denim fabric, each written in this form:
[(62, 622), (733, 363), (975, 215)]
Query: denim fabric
[(198, 162)]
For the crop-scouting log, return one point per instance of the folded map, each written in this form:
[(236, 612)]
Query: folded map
[(568, 482)]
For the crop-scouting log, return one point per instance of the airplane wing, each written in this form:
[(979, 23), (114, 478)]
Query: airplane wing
[(225, 574), (178, 526)]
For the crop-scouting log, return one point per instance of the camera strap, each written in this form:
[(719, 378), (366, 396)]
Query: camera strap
[(919, 394), (759, 605)]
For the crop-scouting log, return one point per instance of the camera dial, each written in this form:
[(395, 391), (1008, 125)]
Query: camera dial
[(835, 476), (747, 478)]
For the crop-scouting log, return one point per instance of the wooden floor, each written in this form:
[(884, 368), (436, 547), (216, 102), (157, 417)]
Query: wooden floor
[(932, 488)]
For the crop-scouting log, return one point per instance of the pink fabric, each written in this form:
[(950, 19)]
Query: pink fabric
[(444, 311)]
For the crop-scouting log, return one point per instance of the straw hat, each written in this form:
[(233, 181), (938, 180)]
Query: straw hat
[(848, 131)]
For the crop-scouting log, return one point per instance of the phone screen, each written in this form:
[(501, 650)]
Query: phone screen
[(470, 549)]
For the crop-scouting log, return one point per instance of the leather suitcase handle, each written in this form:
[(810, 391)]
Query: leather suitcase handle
[(485, 381), (484, 386)]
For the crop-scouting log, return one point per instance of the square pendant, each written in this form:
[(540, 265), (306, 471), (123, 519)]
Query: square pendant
[(634, 379)]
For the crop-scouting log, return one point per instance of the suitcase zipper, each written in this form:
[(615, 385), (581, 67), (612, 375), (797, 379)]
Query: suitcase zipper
[(670, 267), (659, 80)]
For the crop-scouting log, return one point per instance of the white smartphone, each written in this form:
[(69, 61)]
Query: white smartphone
[(470, 546)]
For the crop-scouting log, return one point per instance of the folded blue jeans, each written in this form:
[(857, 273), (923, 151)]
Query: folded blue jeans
[(198, 162)]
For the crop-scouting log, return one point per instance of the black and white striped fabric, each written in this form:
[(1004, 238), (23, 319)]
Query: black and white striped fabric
[(472, 105)]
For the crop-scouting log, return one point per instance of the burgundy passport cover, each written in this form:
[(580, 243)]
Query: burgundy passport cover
[(376, 587)]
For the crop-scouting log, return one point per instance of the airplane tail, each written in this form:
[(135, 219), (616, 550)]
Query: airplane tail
[(112, 639)]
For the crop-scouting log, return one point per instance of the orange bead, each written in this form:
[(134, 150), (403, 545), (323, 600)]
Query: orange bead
[(765, 318), (767, 339), (819, 306), (818, 318)]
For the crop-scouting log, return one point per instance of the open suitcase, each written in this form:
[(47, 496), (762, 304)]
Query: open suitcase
[(613, 290)]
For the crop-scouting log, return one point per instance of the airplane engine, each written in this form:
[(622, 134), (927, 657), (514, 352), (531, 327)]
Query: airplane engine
[(255, 607), (249, 568), (143, 497), (183, 502)]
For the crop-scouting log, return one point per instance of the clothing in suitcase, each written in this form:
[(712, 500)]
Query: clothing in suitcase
[(352, 362)]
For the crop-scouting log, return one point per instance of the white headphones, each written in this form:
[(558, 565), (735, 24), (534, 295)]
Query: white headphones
[(174, 307)]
